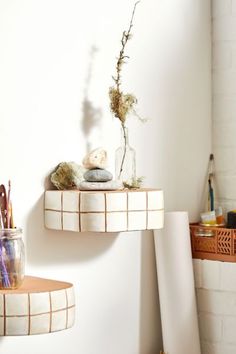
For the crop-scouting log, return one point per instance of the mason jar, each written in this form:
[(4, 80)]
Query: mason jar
[(12, 258)]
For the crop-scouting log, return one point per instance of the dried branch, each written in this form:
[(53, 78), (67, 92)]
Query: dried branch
[(125, 37), (121, 104)]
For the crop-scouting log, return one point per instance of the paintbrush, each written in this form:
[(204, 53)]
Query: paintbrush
[(3, 203), (8, 204), (12, 225), (1, 219), (211, 191)]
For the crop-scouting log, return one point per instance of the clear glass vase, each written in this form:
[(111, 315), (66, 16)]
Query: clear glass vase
[(125, 159), (12, 258)]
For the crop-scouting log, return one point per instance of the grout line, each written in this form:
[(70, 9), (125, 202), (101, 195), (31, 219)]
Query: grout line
[(50, 301), (105, 199), (79, 212), (29, 319), (101, 212), (62, 210), (66, 308), (127, 211), (44, 216), (38, 314), (124, 190)]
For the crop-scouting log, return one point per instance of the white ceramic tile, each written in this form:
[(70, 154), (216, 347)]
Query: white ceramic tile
[(71, 221), (16, 326), (70, 201), (212, 275), (93, 222), (17, 304), (58, 300), (224, 271), (155, 200), (1, 305), (116, 222), (92, 202), (39, 303), (53, 220), (1, 326), (70, 296), (155, 220), (71, 317), (137, 220), (40, 324), (116, 201), (52, 200), (137, 200), (58, 320)]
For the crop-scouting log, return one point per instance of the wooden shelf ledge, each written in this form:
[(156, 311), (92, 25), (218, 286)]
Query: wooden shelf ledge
[(39, 306), (104, 211)]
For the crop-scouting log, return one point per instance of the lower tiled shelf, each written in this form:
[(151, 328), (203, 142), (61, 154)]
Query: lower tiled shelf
[(104, 211), (39, 306)]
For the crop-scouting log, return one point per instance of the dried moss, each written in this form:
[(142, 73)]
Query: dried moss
[(67, 175)]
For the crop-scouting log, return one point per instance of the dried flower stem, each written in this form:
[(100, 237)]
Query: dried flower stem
[(122, 104), (125, 149), (125, 37)]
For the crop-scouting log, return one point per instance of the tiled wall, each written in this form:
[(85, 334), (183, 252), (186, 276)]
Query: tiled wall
[(216, 298), (224, 98), (216, 281)]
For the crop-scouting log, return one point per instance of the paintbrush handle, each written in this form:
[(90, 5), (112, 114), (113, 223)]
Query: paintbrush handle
[(8, 204), (12, 225), (1, 220)]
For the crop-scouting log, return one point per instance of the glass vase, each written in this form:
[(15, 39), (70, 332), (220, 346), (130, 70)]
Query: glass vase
[(125, 159), (12, 258)]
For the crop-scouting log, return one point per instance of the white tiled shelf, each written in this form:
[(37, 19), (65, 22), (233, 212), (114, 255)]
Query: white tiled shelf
[(39, 306), (106, 211)]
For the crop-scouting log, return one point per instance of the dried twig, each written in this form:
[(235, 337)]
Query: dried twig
[(125, 37), (122, 104)]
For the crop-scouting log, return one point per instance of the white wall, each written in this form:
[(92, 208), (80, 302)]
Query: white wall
[(45, 83)]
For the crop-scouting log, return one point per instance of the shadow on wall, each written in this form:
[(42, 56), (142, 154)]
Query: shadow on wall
[(91, 116), (150, 337), (49, 246)]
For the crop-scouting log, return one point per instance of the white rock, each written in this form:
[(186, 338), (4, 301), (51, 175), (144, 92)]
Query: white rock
[(95, 159)]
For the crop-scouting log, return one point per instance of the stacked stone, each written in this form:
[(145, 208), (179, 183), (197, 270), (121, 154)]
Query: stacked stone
[(97, 177)]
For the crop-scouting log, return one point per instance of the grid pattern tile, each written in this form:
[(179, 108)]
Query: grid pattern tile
[(36, 313), (104, 211)]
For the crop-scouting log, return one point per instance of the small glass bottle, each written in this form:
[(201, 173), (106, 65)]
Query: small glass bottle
[(125, 160), (12, 258)]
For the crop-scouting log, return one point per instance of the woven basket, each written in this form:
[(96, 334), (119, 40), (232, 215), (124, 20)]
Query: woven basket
[(218, 245)]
